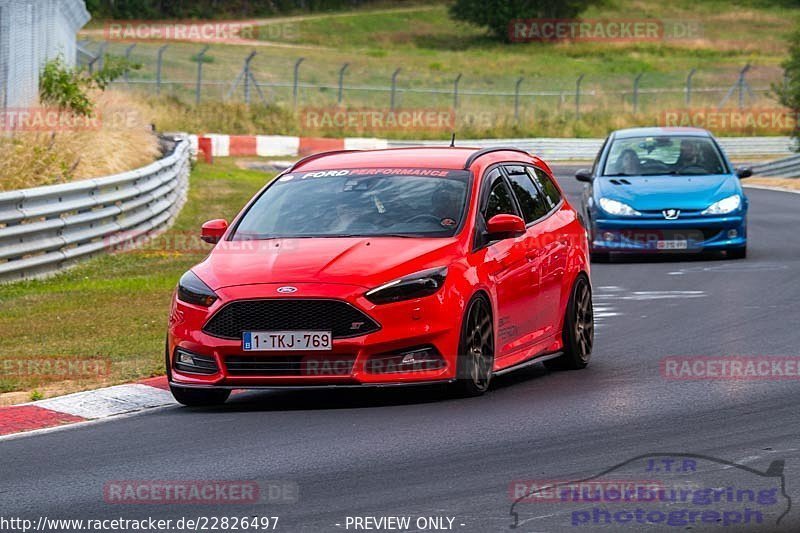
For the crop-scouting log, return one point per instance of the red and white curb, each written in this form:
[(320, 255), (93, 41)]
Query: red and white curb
[(220, 145), (85, 406)]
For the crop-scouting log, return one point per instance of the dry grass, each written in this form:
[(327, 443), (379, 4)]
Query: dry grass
[(119, 138), (778, 183)]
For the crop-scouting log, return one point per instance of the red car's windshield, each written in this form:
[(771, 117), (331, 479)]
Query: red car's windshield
[(359, 202)]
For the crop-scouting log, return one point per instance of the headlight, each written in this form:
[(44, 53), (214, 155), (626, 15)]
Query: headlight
[(416, 285), (192, 290), (614, 207), (724, 206)]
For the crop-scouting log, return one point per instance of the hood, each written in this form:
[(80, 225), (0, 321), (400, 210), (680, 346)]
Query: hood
[(651, 193), (363, 261)]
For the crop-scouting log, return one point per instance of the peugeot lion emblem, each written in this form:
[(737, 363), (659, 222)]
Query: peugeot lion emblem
[(287, 289), (671, 214)]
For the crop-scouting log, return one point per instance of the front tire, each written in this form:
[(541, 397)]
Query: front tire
[(578, 332), (199, 397), (475, 360)]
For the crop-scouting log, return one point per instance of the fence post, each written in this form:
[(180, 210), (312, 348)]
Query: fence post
[(742, 84), (516, 99), (247, 77), (98, 58), (128, 59), (394, 86), (689, 87), (198, 88), (159, 63), (578, 97), (296, 79), (341, 83), (636, 93), (455, 91)]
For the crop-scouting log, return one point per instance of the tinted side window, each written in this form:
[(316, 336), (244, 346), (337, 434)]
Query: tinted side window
[(500, 200), (546, 184), (530, 199)]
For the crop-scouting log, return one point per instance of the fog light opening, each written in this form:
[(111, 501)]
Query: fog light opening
[(419, 359), (609, 236), (732, 233), (193, 363)]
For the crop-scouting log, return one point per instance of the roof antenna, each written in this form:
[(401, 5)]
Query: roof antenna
[(453, 140)]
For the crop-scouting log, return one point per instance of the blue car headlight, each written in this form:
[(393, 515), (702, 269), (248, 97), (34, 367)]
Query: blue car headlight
[(613, 207), (724, 206)]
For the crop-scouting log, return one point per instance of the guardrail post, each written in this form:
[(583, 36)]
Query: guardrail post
[(159, 64), (578, 97), (636, 93), (198, 88), (296, 79), (516, 99), (341, 83), (688, 89), (455, 91), (394, 86), (128, 59)]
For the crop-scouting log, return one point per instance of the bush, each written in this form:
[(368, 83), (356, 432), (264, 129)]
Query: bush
[(496, 15), (67, 88)]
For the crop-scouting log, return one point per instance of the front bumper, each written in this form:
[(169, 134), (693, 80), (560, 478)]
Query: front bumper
[(404, 326), (642, 235)]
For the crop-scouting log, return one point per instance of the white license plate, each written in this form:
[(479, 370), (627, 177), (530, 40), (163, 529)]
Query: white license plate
[(287, 341), (672, 245)]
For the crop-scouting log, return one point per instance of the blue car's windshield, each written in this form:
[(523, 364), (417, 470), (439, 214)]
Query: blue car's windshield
[(674, 154), (359, 202)]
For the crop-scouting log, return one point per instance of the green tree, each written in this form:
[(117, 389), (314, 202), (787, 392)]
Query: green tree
[(496, 15), (789, 91)]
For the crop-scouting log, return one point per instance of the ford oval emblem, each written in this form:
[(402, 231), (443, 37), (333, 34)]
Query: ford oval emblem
[(287, 290)]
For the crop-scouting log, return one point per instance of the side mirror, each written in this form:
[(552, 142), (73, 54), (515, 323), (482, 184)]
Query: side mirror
[(213, 230), (505, 227), (584, 174), (744, 172)]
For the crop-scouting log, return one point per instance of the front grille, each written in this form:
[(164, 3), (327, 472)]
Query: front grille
[(340, 318), (294, 365)]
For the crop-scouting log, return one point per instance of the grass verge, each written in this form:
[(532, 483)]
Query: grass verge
[(112, 308)]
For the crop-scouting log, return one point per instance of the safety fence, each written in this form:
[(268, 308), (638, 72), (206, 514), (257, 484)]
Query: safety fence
[(45, 229)]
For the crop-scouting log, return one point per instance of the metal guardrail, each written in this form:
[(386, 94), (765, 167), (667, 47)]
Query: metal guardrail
[(46, 229), (554, 149), (788, 167)]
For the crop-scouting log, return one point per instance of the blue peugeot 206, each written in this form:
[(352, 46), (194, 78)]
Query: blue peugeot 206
[(664, 190)]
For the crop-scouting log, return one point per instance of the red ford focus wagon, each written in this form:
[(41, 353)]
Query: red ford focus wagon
[(386, 268)]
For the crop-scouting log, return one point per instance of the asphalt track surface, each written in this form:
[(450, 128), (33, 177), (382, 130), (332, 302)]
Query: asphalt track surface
[(419, 453)]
